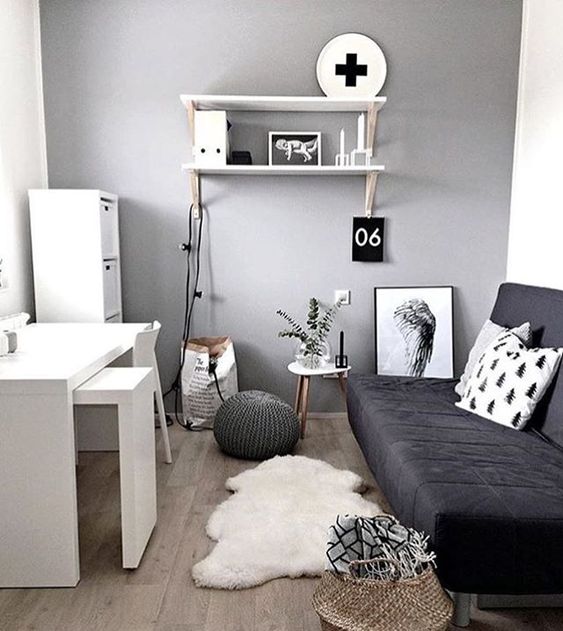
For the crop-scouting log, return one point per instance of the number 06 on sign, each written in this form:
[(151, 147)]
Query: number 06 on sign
[(367, 239)]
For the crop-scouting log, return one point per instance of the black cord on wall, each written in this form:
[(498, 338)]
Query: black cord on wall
[(190, 297)]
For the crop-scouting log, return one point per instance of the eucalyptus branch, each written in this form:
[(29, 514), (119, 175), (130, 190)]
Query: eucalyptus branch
[(319, 324), (295, 326), (328, 320), (290, 333), (313, 315)]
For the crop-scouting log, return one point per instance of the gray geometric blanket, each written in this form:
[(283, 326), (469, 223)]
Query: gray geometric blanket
[(354, 538)]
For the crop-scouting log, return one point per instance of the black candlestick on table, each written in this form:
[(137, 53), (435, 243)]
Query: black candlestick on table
[(341, 360)]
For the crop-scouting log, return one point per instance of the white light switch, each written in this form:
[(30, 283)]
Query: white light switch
[(343, 296)]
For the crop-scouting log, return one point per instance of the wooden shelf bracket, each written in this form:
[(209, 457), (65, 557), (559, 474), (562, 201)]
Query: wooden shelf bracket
[(372, 125), (194, 175), (371, 178)]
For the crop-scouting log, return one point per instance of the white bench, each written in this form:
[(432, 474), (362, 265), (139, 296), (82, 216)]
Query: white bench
[(131, 390)]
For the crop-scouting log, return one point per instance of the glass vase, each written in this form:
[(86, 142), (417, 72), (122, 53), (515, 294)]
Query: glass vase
[(313, 361)]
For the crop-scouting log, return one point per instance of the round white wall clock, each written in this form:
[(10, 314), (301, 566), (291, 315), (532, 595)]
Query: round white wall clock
[(351, 65)]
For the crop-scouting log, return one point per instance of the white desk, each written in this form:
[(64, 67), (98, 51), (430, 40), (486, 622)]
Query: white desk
[(38, 509)]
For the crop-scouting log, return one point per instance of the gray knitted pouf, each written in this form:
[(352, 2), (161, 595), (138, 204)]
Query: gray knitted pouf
[(256, 425)]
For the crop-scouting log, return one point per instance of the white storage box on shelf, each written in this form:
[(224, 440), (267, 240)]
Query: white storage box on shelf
[(211, 144), (76, 264)]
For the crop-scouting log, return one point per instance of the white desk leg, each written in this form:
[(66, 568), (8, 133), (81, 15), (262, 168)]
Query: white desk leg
[(38, 510), (137, 472)]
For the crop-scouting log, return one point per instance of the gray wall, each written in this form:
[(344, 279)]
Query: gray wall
[(113, 71)]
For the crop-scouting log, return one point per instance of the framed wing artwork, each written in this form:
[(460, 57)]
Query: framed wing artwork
[(414, 331)]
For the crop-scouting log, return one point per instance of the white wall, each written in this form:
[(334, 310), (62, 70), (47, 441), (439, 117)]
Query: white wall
[(23, 162), (536, 223)]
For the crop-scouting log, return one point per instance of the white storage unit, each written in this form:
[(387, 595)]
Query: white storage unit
[(76, 265)]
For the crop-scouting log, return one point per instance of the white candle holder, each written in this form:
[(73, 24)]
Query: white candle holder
[(360, 157), (342, 158)]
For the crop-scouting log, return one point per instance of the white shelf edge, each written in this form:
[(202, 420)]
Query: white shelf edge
[(283, 103), (264, 169)]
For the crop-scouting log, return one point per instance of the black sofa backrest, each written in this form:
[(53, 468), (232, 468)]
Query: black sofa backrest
[(543, 308)]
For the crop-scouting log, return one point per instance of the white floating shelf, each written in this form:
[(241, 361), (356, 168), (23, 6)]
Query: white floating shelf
[(264, 169), (282, 103)]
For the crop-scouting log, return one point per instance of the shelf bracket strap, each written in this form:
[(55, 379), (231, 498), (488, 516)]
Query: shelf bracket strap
[(371, 184), (194, 185)]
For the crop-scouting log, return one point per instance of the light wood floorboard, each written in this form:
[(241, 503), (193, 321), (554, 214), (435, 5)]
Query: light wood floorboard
[(160, 595)]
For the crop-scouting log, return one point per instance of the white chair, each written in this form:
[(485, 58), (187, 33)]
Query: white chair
[(144, 357), (132, 391)]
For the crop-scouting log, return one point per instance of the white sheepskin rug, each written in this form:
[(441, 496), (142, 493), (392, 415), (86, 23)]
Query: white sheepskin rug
[(276, 522)]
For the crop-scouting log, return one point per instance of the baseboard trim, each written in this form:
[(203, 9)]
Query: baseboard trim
[(508, 601), (312, 416), (329, 416)]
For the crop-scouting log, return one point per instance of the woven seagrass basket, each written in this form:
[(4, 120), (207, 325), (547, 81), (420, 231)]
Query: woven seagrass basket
[(349, 603)]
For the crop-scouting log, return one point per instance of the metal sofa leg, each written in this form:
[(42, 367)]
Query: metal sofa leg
[(462, 609)]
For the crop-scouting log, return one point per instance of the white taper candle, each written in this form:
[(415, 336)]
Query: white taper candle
[(341, 142), (361, 133)]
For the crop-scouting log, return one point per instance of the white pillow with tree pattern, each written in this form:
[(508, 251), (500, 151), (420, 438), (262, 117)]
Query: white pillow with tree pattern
[(508, 381)]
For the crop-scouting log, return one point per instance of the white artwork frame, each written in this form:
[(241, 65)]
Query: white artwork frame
[(403, 326)]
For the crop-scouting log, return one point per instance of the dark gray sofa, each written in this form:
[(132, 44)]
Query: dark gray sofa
[(490, 497)]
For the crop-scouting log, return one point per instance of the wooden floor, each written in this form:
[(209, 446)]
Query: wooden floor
[(160, 595)]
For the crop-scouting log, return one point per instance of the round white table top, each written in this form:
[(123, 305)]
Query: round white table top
[(329, 369)]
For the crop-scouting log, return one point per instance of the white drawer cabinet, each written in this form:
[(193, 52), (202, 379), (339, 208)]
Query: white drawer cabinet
[(76, 259), (109, 226), (112, 297)]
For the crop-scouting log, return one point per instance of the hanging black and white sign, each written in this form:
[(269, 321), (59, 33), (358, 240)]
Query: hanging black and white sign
[(368, 239)]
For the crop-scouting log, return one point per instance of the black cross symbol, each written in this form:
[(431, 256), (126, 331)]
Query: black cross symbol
[(351, 69)]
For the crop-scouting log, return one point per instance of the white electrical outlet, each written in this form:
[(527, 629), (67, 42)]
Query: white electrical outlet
[(343, 296)]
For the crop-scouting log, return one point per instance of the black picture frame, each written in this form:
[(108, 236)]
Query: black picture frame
[(444, 365)]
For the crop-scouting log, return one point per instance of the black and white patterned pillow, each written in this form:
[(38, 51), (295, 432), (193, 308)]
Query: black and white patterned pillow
[(508, 381)]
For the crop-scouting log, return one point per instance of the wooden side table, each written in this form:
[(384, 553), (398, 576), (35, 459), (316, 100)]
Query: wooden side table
[(303, 382)]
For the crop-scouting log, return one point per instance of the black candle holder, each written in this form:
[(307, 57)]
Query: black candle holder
[(341, 360)]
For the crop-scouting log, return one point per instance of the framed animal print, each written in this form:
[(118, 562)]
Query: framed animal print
[(294, 148), (414, 331)]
